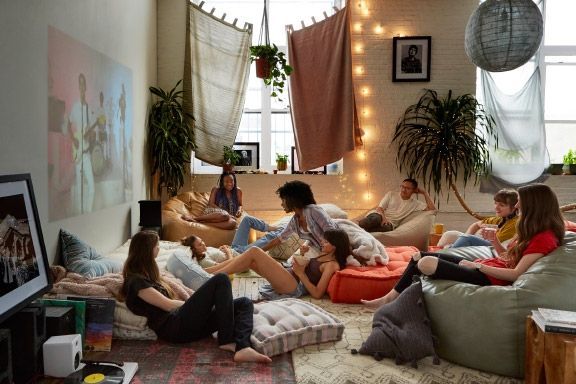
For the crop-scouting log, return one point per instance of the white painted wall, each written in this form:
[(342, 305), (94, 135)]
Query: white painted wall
[(122, 30)]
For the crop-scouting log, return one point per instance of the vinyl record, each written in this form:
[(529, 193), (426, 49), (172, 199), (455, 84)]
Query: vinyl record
[(97, 374)]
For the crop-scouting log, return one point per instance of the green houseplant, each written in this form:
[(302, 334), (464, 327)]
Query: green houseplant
[(438, 141), (569, 160), (281, 162), (231, 158), (271, 66), (170, 139)]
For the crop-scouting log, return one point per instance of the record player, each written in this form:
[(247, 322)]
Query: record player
[(103, 372)]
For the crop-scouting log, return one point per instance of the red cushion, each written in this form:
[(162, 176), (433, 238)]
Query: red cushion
[(351, 284)]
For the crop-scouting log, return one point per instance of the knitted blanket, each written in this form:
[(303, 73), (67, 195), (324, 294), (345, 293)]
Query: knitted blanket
[(364, 245)]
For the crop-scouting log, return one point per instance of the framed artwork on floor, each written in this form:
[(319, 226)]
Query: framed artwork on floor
[(411, 58), (295, 166)]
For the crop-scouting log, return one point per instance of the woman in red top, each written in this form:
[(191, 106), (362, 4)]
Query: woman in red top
[(540, 230)]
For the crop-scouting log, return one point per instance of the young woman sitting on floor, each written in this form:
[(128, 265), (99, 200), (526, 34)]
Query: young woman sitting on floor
[(211, 308), (298, 280), (540, 230)]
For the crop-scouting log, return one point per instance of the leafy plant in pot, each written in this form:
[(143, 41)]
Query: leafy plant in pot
[(271, 66), (438, 141), (170, 139), (569, 162), (281, 162), (231, 158)]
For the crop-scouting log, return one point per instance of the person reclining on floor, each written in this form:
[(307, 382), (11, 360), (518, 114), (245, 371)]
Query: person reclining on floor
[(210, 256), (310, 277), (505, 220), (394, 207), (224, 206)]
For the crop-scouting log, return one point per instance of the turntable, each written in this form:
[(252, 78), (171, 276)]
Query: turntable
[(103, 372)]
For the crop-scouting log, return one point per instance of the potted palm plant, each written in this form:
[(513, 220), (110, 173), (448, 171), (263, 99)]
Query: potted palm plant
[(170, 139), (231, 158), (438, 141)]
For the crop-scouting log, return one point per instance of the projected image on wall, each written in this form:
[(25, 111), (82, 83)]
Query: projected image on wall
[(89, 128)]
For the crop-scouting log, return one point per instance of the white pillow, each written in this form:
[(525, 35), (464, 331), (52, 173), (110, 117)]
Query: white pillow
[(181, 265)]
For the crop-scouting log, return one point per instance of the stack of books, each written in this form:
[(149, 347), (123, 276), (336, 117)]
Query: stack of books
[(555, 320)]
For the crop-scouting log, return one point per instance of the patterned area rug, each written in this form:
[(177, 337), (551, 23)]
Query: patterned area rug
[(198, 362), (333, 363)]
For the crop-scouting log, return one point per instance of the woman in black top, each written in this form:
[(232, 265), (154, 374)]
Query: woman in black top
[(211, 308)]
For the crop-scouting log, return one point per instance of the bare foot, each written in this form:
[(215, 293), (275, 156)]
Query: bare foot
[(250, 355), (271, 228), (228, 347), (188, 218), (377, 303)]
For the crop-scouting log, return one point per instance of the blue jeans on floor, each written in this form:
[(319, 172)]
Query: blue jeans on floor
[(470, 241), (240, 242)]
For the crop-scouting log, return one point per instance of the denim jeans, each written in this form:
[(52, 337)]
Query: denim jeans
[(470, 241), (240, 242)]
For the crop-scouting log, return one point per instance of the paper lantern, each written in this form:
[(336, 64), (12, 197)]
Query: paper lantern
[(503, 34)]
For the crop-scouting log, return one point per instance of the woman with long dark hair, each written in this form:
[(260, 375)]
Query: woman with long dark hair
[(539, 230)]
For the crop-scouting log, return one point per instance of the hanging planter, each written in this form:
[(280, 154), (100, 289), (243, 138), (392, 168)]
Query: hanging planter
[(271, 64)]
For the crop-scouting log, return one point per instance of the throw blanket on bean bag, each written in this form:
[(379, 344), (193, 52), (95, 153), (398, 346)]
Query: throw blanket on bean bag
[(364, 245)]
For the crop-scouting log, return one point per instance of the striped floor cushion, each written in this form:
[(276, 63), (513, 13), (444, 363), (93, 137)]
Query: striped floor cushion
[(283, 325)]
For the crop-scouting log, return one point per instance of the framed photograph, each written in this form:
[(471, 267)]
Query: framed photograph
[(411, 58), (295, 166), (249, 156), (24, 270)]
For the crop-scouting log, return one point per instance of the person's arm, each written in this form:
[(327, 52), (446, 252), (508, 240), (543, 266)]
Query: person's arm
[(430, 206), (508, 274), (212, 200), (474, 227), (239, 196), (316, 291), (155, 298)]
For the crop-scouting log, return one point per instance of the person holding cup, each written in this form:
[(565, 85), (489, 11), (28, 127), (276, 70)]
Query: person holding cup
[(540, 230), (492, 231)]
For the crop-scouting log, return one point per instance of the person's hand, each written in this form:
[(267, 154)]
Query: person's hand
[(304, 248), (298, 269), (239, 212), (468, 264)]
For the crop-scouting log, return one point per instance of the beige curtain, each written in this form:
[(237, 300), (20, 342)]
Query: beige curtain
[(322, 91), (216, 70)]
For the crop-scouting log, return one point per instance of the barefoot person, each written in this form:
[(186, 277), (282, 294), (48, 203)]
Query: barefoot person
[(211, 308), (298, 280), (540, 230)]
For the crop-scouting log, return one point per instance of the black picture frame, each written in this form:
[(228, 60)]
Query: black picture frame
[(295, 165), (252, 161), (411, 58), (24, 269)]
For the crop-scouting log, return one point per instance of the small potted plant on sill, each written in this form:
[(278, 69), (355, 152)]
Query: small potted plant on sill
[(231, 158), (569, 163), (281, 162)]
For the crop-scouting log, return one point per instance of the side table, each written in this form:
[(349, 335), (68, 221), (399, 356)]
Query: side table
[(550, 357)]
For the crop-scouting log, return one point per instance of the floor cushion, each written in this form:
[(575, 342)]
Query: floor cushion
[(283, 325), (351, 284)]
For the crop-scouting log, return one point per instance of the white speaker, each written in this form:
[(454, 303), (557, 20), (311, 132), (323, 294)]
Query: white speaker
[(62, 355)]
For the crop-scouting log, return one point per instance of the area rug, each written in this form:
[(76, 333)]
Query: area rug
[(198, 362), (333, 363)]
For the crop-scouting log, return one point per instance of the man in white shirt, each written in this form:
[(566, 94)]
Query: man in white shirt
[(395, 207)]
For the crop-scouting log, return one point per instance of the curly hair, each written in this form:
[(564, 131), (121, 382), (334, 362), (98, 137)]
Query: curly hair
[(296, 194)]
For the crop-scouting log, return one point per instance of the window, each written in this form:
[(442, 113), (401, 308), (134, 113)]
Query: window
[(266, 120)]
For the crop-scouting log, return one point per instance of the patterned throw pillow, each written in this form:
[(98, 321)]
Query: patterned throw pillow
[(81, 258), (401, 330), (181, 265), (283, 325)]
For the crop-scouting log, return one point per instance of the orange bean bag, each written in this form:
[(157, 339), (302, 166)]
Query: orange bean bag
[(351, 284)]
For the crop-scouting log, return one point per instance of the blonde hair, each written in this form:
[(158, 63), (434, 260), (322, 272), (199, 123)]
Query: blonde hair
[(141, 261)]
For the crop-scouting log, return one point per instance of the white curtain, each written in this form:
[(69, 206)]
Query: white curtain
[(216, 71)]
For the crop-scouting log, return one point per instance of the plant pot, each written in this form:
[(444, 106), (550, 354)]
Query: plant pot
[(281, 165), (262, 68), (572, 169), (555, 169)]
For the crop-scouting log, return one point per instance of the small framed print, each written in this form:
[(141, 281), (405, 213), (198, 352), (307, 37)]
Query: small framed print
[(249, 156), (411, 58), (295, 166)]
